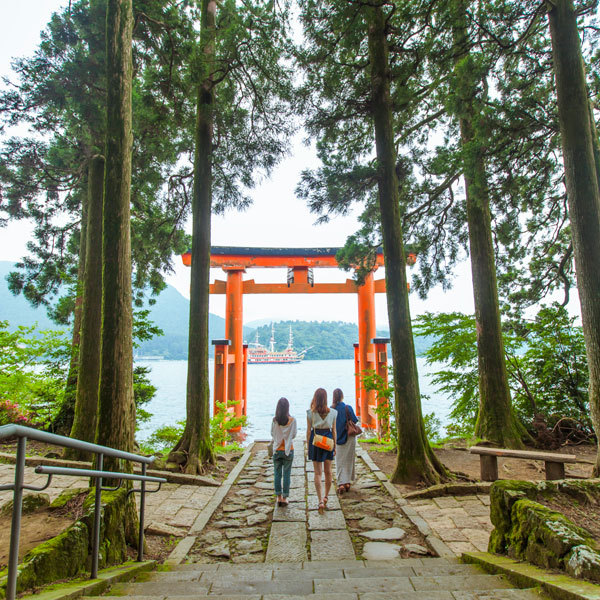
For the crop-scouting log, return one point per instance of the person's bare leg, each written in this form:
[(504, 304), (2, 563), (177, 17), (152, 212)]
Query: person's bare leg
[(318, 475), (328, 477)]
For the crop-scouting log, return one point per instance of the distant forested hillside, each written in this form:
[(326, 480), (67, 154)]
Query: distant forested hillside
[(329, 340), (326, 340)]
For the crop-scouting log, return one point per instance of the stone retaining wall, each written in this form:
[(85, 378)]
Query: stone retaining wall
[(69, 553), (527, 530)]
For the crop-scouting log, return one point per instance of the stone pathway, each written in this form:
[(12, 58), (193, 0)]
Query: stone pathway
[(462, 522), (309, 555), (175, 505)]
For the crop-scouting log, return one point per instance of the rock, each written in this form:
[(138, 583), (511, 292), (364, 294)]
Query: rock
[(31, 502), (367, 485), (66, 496), (178, 458), (245, 492), (392, 533), (211, 537), (232, 508), (354, 514), (257, 518), (584, 562), (249, 546), (242, 532), (221, 549), (264, 485), (164, 530), (222, 458), (52, 455), (247, 481), (401, 522), (372, 523), (247, 558), (226, 523), (380, 551), (416, 549)]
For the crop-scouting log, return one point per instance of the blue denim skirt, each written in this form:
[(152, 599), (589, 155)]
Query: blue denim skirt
[(318, 454)]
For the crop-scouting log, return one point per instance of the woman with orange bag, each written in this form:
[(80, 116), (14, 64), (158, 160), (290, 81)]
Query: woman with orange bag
[(321, 436)]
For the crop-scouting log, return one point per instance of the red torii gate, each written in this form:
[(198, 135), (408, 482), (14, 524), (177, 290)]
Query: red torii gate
[(370, 353)]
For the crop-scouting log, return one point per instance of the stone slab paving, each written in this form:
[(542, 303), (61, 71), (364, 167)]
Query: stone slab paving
[(462, 522), (174, 504), (322, 543)]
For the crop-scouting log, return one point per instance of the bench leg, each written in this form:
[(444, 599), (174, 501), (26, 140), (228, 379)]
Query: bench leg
[(489, 467), (555, 470)]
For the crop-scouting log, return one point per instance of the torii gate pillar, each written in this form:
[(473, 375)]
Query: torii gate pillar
[(366, 351), (234, 331)]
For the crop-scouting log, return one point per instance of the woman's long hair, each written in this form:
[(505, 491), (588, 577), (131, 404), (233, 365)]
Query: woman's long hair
[(282, 412), (319, 403), (338, 396)]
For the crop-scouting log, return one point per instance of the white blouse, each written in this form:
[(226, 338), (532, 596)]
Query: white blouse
[(319, 422), (283, 433)]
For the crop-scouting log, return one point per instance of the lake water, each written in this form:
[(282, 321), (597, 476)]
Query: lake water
[(266, 384)]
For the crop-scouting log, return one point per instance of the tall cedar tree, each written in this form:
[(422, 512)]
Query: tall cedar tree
[(243, 120), (48, 175), (496, 421), (416, 460), (116, 410), (195, 442), (582, 184), (354, 52)]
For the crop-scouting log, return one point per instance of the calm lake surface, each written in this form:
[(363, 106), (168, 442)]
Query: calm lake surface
[(266, 384)]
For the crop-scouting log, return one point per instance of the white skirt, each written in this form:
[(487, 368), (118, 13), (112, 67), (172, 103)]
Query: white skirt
[(344, 461)]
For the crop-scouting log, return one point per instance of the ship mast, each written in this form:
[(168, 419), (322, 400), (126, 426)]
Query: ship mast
[(272, 342), (290, 341)]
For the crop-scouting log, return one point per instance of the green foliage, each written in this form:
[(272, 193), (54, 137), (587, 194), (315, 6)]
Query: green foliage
[(143, 392), (164, 438), (33, 367), (545, 359), (222, 422)]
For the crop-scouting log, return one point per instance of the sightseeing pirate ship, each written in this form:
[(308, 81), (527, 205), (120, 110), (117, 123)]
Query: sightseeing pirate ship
[(260, 355)]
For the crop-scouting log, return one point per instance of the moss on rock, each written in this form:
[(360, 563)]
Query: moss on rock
[(66, 496), (31, 502), (528, 530)]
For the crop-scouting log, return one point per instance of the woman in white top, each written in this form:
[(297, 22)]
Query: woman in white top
[(283, 431), (321, 421)]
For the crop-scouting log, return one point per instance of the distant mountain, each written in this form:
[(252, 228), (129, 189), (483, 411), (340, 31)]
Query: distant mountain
[(328, 339), (16, 310)]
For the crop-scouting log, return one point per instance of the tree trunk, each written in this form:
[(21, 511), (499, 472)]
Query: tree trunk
[(86, 407), (63, 421), (582, 185), (416, 460), (496, 421), (194, 449), (116, 409)]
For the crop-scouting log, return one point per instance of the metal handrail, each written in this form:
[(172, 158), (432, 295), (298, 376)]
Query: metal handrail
[(22, 434)]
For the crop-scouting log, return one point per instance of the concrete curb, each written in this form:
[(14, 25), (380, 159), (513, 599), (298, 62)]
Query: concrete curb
[(557, 585), (437, 545), (184, 546), (93, 587)]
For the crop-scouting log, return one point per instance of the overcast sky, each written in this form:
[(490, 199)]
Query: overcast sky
[(277, 217)]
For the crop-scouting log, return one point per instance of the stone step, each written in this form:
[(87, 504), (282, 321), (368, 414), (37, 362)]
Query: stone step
[(344, 564), (288, 583)]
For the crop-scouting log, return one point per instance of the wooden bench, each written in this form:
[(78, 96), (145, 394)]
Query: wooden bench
[(488, 458)]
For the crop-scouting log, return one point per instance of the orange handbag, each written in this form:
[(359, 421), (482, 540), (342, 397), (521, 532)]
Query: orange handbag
[(323, 442)]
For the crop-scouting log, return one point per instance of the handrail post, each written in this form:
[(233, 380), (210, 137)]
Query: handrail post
[(15, 529), (142, 509), (97, 509)]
